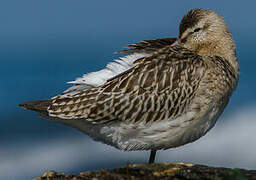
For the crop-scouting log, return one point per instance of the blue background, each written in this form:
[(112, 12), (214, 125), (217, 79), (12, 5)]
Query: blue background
[(44, 44)]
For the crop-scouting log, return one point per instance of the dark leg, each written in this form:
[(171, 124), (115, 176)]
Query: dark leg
[(152, 156)]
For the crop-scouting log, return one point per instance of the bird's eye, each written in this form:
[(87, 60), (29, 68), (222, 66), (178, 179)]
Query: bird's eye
[(197, 29)]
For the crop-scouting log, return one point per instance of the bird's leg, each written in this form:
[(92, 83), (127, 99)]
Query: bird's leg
[(152, 156)]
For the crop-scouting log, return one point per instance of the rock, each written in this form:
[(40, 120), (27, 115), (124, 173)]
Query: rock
[(156, 171)]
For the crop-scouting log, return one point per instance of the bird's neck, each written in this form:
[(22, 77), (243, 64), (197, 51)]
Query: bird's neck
[(225, 49)]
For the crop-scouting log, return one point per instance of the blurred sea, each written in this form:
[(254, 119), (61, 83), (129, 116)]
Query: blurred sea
[(45, 44)]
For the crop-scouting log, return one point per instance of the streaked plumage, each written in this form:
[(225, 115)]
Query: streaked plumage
[(165, 94)]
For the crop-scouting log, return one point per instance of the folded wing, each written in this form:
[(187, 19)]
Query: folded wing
[(138, 50), (158, 87)]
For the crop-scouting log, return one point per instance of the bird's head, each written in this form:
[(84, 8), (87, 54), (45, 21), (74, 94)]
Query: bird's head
[(205, 32)]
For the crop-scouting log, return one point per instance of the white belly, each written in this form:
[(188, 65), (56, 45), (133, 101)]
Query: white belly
[(161, 135), (158, 135)]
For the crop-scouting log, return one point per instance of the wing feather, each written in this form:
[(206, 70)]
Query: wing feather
[(138, 50), (149, 46), (156, 88), (98, 78)]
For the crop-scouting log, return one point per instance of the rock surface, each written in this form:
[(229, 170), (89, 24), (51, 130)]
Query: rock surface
[(156, 171)]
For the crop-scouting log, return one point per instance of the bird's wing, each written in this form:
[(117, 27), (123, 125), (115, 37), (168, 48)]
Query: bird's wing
[(156, 88), (149, 46), (138, 50), (98, 78)]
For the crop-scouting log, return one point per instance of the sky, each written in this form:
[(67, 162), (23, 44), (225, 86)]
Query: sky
[(44, 44)]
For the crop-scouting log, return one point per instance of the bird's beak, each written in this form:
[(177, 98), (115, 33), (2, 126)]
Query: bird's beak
[(175, 43)]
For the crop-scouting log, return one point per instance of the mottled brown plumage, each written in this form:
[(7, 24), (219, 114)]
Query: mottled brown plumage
[(172, 94), (158, 87)]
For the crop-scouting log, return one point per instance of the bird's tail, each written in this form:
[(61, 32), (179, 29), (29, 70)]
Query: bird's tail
[(39, 105)]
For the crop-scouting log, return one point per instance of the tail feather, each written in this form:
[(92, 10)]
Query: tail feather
[(39, 105)]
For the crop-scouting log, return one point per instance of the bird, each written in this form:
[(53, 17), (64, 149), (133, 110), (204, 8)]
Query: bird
[(161, 94)]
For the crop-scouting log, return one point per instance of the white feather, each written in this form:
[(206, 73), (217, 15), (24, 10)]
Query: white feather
[(98, 78)]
